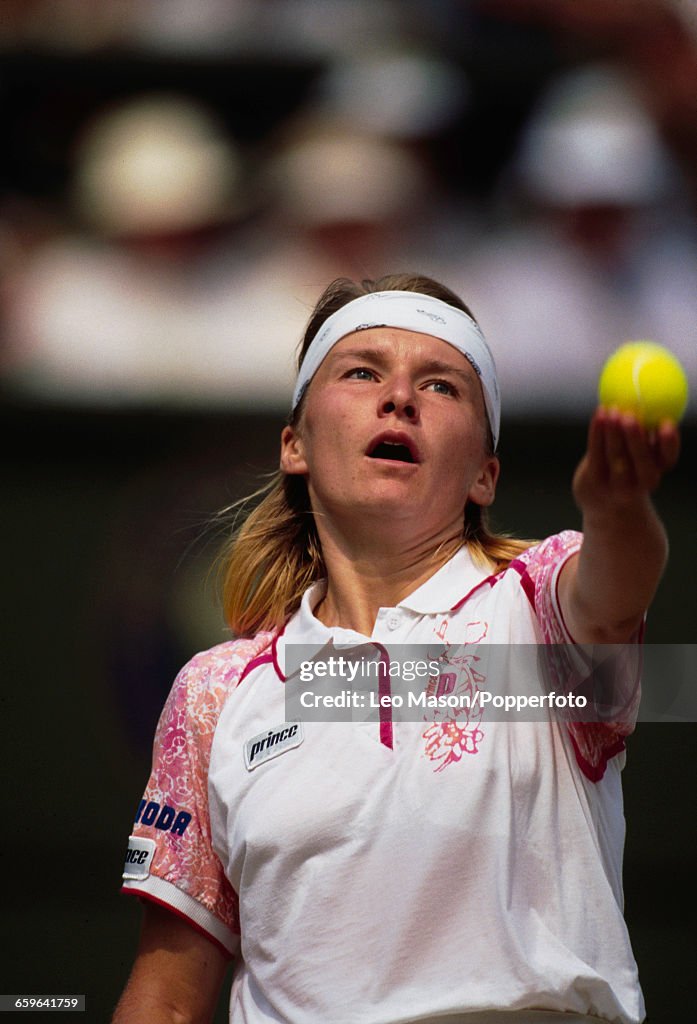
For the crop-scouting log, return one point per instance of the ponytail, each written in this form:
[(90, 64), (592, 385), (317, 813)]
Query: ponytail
[(271, 560)]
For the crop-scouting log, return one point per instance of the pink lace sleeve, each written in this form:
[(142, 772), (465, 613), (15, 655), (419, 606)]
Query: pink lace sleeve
[(614, 687), (170, 857)]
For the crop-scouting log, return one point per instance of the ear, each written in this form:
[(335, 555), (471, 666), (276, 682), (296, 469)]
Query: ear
[(483, 489), (292, 452)]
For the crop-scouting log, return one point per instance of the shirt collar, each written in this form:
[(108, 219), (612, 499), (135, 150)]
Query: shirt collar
[(447, 586), (439, 593)]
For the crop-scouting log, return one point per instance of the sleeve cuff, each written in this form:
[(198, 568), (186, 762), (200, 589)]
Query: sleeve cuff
[(159, 891)]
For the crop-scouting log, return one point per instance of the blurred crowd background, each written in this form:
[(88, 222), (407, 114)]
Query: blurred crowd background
[(180, 180)]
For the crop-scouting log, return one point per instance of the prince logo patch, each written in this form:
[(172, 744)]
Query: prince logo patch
[(139, 857), (270, 744)]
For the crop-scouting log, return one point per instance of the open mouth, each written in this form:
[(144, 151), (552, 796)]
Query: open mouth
[(392, 451)]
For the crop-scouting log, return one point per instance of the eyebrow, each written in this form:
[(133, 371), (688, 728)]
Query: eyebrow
[(430, 366)]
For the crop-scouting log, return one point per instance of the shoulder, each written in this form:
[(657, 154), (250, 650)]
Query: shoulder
[(223, 664), (538, 569), (551, 552), (204, 683), (541, 563)]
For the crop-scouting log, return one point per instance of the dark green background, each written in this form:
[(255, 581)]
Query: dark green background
[(106, 551)]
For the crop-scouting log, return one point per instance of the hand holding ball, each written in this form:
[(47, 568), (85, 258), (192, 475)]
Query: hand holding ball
[(645, 379)]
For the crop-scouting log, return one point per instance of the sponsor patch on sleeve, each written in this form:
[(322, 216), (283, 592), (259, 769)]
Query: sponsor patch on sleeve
[(139, 857)]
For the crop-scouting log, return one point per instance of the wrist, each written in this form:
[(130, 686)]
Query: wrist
[(618, 512)]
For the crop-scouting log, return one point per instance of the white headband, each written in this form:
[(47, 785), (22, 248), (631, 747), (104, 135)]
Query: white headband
[(410, 311)]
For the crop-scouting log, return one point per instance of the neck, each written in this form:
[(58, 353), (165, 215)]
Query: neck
[(363, 577)]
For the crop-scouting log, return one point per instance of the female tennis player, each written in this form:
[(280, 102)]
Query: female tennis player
[(381, 871)]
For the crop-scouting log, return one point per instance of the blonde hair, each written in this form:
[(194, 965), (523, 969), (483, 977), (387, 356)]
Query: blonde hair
[(269, 562)]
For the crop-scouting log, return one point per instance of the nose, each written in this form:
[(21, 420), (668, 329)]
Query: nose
[(400, 397)]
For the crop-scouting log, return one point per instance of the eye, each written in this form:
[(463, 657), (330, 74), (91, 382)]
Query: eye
[(360, 373), (442, 387)]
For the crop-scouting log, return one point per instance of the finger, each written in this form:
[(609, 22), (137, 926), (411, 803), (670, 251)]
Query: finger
[(617, 454), (596, 440), (643, 454), (668, 444)]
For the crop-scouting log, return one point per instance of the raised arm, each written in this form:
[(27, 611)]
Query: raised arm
[(177, 975), (605, 590)]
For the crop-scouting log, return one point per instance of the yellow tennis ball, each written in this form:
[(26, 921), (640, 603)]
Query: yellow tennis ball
[(645, 379)]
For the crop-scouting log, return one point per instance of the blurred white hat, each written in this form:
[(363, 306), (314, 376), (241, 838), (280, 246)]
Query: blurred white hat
[(591, 140), (158, 163), (400, 94), (338, 178)]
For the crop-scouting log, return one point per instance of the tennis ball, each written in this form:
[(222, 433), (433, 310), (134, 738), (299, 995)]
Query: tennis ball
[(645, 379)]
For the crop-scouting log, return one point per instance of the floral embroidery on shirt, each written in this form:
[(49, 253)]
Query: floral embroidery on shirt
[(456, 731)]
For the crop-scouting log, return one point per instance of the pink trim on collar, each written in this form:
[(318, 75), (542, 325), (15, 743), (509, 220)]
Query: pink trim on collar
[(490, 581)]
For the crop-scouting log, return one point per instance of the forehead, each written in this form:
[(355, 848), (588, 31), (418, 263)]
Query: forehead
[(394, 345)]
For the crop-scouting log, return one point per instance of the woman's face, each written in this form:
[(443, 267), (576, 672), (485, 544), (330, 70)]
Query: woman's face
[(393, 427)]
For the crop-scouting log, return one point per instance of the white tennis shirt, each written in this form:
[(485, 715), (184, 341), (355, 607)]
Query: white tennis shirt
[(376, 873)]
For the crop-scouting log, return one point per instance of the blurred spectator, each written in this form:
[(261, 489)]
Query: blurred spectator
[(656, 40), (603, 249), (351, 186), (339, 202), (412, 97), (145, 305), (161, 295), (399, 92), (156, 166)]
